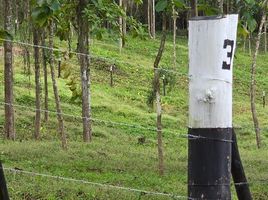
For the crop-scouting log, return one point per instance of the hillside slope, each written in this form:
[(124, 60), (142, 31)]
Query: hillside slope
[(121, 116)]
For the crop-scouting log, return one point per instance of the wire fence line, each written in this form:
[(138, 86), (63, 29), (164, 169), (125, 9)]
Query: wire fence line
[(104, 58), (114, 61), (91, 56), (144, 192), (120, 124), (129, 125)]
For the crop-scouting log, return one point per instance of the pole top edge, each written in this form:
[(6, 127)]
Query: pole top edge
[(214, 17)]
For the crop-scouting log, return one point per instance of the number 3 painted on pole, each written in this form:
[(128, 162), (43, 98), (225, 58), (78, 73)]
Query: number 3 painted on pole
[(230, 43)]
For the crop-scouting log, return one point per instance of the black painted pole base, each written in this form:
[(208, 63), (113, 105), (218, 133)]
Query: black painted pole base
[(3, 186), (209, 164), (239, 177)]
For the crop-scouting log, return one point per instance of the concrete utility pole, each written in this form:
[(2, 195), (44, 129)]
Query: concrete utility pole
[(212, 43)]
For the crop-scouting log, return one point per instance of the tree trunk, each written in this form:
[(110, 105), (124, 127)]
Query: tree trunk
[(228, 6), (153, 19), (253, 80), (220, 5), (158, 98), (265, 35), (28, 40), (174, 36), (45, 76), (194, 10), (8, 72), (249, 44), (83, 47), (55, 88), (121, 28), (36, 40), (124, 24), (244, 44), (149, 17)]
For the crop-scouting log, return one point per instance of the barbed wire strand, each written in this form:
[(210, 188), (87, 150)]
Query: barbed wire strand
[(96, 184), (20, 171), (186, 75), (106, 122), (89, 55)]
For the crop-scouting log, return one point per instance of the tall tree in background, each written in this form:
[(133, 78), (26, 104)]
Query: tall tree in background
[(181, 5), (160, 7), (44, 14), (220, 5), (121, 38), (253, 77), (125, 5), (174, 16), (36, 41), (265, 35), (44, 59), (151, 18), (8, 71), (55, 86), (83, 44), (158, 96), (194, 10)]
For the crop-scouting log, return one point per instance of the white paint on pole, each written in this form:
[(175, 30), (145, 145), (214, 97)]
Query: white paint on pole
[(212, 42)]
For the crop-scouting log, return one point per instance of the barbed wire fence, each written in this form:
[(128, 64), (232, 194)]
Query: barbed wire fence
[(116, 124)]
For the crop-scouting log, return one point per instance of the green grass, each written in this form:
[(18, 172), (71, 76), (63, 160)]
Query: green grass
[(114, 156)]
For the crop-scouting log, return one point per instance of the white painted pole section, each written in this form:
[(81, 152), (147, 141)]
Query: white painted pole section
[(211, 51)]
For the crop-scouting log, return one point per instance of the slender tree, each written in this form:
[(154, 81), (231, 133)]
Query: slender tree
[(8, 73), (253, 78), (124, 23), (153, 19), (194, 10), (121, 38), (265, 35), (158, 97), (44, 59), (83, 45), (36, 41), (44, 14), (55, 87), (149, 5), (220, 5), (174, 16)]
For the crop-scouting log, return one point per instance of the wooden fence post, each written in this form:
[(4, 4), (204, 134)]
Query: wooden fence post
[(111, 75), (263, 99), (212, 42)]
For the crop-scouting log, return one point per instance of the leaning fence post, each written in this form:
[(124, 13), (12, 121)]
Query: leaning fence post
[(239, 176), (3, 187), (212, 42)]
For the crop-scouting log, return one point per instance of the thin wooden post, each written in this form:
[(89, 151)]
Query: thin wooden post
[(263, 99), (211, 51), (111, 76), (3, 186)]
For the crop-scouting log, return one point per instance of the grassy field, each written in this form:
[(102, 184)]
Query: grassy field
[(120, 114)]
